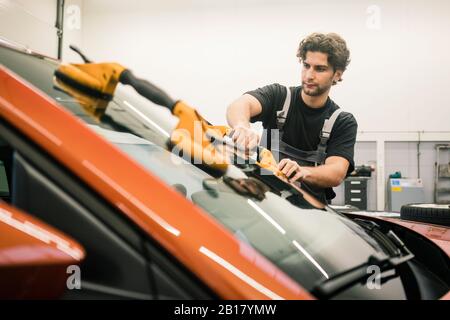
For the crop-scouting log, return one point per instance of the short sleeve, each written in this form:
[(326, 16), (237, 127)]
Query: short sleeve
[(271, 98), (343, 138)]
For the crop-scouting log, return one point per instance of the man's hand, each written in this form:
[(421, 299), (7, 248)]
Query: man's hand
[(292, 170), (328, 175), (246, 138)]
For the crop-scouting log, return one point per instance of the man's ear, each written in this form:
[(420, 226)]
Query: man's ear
[(337, 76)]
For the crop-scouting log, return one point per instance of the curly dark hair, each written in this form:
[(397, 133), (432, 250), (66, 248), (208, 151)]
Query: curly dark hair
[(331, 44)]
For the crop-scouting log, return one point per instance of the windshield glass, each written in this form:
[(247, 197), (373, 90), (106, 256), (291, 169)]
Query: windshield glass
[(310, 245)]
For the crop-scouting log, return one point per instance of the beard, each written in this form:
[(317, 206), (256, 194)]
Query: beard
[(315, 91)]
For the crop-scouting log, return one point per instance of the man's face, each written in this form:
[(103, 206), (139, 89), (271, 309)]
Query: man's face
[(317, 74)]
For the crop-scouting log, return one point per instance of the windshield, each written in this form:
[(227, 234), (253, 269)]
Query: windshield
[(310, 245)]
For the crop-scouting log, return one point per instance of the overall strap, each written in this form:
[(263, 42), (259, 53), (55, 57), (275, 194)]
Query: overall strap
[(325, 135), (318, 156), (282, 114), (329, 123), (280, 120)]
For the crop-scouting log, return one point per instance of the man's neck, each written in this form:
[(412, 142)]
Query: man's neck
[(315, 101)]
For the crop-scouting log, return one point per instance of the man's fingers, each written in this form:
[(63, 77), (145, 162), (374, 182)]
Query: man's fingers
[(248, 140), (253, 142), (245, 137), (251, 139), (297, 176), (238, 134), (287, 167), (241, 138), (291, 171), (282, 164), (241, 141)]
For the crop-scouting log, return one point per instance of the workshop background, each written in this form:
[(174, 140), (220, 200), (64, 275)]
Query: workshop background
[(210, 52)]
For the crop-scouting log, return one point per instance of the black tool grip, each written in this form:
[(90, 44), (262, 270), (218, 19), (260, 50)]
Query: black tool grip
[(77, 50), (147, 89)]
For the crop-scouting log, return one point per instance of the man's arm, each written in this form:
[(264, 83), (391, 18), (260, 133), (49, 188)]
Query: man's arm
[(331, 174), (238, 117), (242, 109)]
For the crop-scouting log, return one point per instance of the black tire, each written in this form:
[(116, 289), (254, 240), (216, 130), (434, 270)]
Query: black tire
[(427, 212)]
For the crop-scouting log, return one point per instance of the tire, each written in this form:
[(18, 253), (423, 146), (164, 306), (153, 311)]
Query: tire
[(427, 212)]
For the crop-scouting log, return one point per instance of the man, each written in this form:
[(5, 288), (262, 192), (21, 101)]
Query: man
[(314, 151)]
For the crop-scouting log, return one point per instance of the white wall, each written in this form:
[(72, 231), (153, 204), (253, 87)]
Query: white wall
[(209, 52), (30, 23)]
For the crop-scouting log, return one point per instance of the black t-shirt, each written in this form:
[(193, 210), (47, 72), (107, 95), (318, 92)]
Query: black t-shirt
[(304, 124)]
